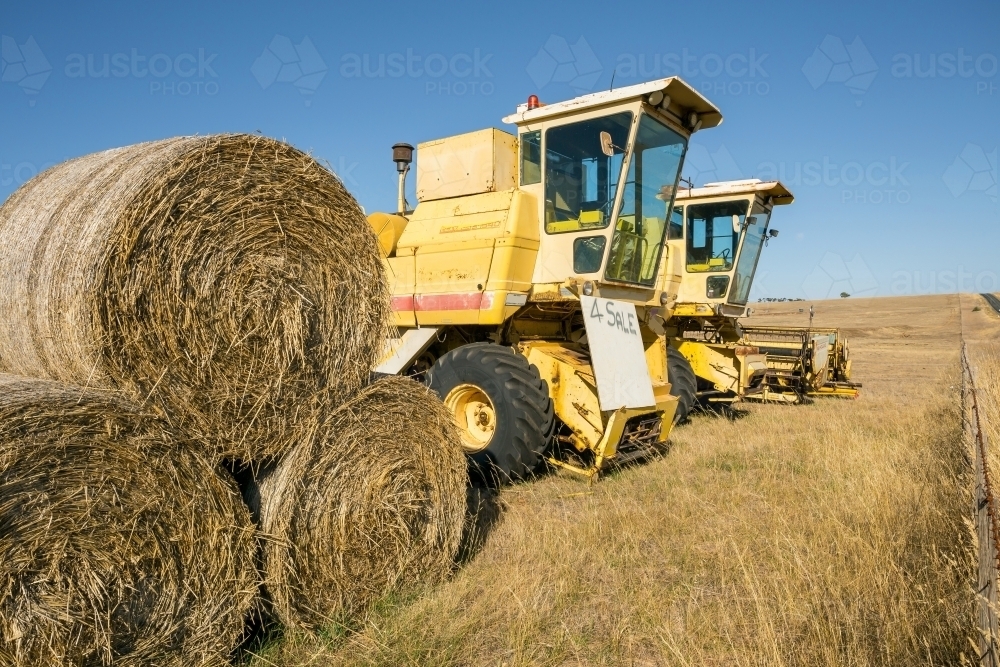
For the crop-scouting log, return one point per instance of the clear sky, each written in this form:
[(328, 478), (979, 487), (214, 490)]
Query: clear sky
[(883, 119)]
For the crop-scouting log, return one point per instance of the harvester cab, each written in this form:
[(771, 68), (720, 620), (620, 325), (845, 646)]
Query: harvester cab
[(530, 277), (716, 236)]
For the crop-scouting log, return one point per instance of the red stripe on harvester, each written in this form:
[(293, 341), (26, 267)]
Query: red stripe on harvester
[(454, 301), (402, 303), (460, 301)]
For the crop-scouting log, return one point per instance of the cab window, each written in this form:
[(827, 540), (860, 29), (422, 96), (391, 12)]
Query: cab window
[(711, 239), (676, 230), (531, 157), (580, 180)]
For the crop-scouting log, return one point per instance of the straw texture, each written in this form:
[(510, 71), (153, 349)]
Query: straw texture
[(376, 502), (116, 546), (227, 279)]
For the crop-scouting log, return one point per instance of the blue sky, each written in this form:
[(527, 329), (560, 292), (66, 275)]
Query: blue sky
[(882, 119)]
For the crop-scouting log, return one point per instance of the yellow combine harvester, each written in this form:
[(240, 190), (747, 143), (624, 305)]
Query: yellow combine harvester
[(714, 242), (529, 284)]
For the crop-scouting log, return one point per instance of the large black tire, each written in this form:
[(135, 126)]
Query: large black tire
[(525, 416), (683, 384)]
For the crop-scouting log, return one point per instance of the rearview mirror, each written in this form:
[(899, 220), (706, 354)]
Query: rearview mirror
[(736, 224), (607, 147)]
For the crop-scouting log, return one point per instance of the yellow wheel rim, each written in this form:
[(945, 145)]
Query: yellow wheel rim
[(474, 414)]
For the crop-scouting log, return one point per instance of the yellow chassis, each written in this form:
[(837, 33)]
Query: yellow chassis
[(573, 388)]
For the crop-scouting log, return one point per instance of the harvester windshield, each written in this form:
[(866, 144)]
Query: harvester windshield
[(650, 185), (582, 182), (754, 234)]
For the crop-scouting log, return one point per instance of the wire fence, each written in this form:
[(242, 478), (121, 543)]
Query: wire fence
[(987, 528)]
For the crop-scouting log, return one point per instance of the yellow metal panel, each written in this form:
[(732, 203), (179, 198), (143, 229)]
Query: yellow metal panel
[(522, 220), (400, 271), (715, 363), (481, 216), (440, 317), (465, 164), (512, 268), (692, 309), (572, 388), (404, 319), (666, 404), (656, 359), (388, 228), (453, 267)]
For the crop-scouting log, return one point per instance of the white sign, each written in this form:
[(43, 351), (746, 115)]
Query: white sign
[(617, 354)]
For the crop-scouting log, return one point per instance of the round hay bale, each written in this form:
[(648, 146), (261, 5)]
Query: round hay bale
[(375, 502), (226, 279), (115, 547)]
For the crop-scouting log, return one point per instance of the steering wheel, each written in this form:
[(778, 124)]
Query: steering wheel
[(723, 254)]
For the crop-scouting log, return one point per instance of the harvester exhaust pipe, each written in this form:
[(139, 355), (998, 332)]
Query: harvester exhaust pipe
[(402, 155)]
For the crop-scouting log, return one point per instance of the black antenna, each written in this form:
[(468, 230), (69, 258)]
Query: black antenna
[(613, 79)]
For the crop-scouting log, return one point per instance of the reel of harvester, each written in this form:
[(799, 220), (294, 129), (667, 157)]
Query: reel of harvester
[(802, 361)]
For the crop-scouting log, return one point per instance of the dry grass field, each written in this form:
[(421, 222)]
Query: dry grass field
[(826, 534)]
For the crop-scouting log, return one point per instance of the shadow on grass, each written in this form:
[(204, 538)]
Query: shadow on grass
[(483, 510)]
